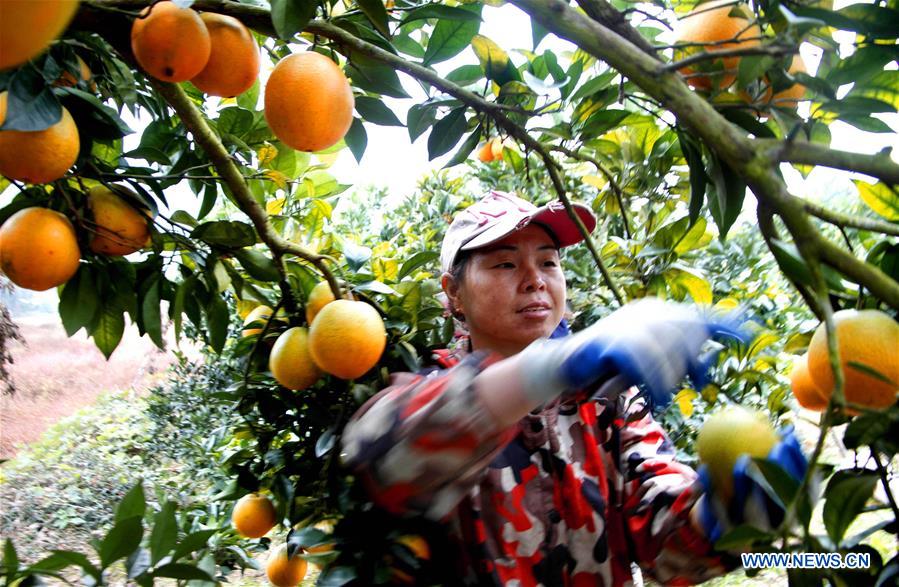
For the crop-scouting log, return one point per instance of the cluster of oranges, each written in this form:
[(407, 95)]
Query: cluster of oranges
[(308, 100), (868, 343), (722, 25), (301, 355), (39, 247)]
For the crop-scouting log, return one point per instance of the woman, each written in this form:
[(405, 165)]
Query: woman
[(537, 451)]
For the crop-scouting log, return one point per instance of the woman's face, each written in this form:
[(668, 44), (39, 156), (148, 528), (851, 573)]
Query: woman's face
[(512, 292)]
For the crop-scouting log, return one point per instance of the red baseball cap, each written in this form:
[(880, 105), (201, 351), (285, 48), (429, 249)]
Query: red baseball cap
[(499, 214)]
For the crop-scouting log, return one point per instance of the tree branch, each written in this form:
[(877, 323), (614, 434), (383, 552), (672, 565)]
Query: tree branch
[(604, 13), (845, 220), (880, 165), (773, 50), (204, 136)]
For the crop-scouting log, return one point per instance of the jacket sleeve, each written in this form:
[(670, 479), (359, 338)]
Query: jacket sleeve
[(421, 444), (658, 496)]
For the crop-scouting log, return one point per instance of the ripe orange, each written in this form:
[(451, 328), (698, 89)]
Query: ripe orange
[(290, 362), (729, 434), (807, 393), (40, 156), (27, 27), (234, 59), (868, 339), (320, 295), (40, 249), (170, 43), (791, 96), (420, 550), (308, 102), (347, 338), (254, 516), (68, 80), (491, 151), (285, 572), (710, 27), (259, 314), (120, 228)]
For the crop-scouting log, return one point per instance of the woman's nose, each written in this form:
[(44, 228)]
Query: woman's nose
[(533, 279)]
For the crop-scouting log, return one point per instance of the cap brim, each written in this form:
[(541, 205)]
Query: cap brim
[(553, 216)]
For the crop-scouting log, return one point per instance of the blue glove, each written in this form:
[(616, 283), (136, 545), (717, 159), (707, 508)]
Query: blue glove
[(752, 503), (649, 342)]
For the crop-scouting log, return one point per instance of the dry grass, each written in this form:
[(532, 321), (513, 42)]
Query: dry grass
[(56, 375)]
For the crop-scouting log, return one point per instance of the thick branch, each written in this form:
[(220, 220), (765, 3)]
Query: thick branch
[(880, 165), (603, 12), (218, 155)]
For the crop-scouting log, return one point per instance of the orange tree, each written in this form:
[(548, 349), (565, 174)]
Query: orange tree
[(667, 141)]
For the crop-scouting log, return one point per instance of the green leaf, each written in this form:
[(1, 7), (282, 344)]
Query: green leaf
[(227, 233), (440, 12), (78, 301), (693, 154), (235, 121), (494, 60), (192, 542), (356, 256), (881, 198), (123, 539), (451, 37), (416, 261), (133, 504), (446, 133), (374, 110), (376, 13), (862, 65), (250, 98), (374, 77), (336, 577), (603, 121), (884, 87), (846, 495), (10, 558), (182, 571), (107, 329), (726, 201), (867, 429), (290, 16), (150, 319), (420, 118), (217, 322), (164, 533), (93, 117), (31, 105), (752, 67), (357, 139), (857, 106), (741, 537), (682, 281), (465, 150), (60, 559), (258, 265), (466, 75)]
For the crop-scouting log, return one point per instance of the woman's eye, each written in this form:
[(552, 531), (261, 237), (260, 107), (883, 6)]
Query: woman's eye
[(550, 263), (505, 265)]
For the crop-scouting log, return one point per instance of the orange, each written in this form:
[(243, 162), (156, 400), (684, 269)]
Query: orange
[(283, 571), (120, 228), (789, 97), (868, 339), (347, 338), (68, 80), (709, 27), (170, 43), (234, 59), (420, 550), (807, 393), (729, 434), (491, 151), (38, 156), (308, 102), (290, 362), (27, 27), (254, 515), (261, 313), (40, 249), (320, 295)]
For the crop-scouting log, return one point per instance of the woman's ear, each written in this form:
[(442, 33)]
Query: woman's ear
[(451, 289)]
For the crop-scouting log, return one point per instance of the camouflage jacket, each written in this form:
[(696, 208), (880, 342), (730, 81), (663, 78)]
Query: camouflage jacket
[(573, 495)]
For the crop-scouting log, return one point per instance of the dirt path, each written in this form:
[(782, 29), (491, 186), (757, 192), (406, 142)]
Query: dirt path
[(56, 375)]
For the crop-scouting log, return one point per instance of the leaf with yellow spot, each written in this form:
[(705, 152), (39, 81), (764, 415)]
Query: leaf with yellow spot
[(326, 160), (726, 304), (267, 153), (274, 207), (684, 400), (385, 270), (491, 56), (880, 198), (681, 281), (596, 181), (244, 307), (277, 177)]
